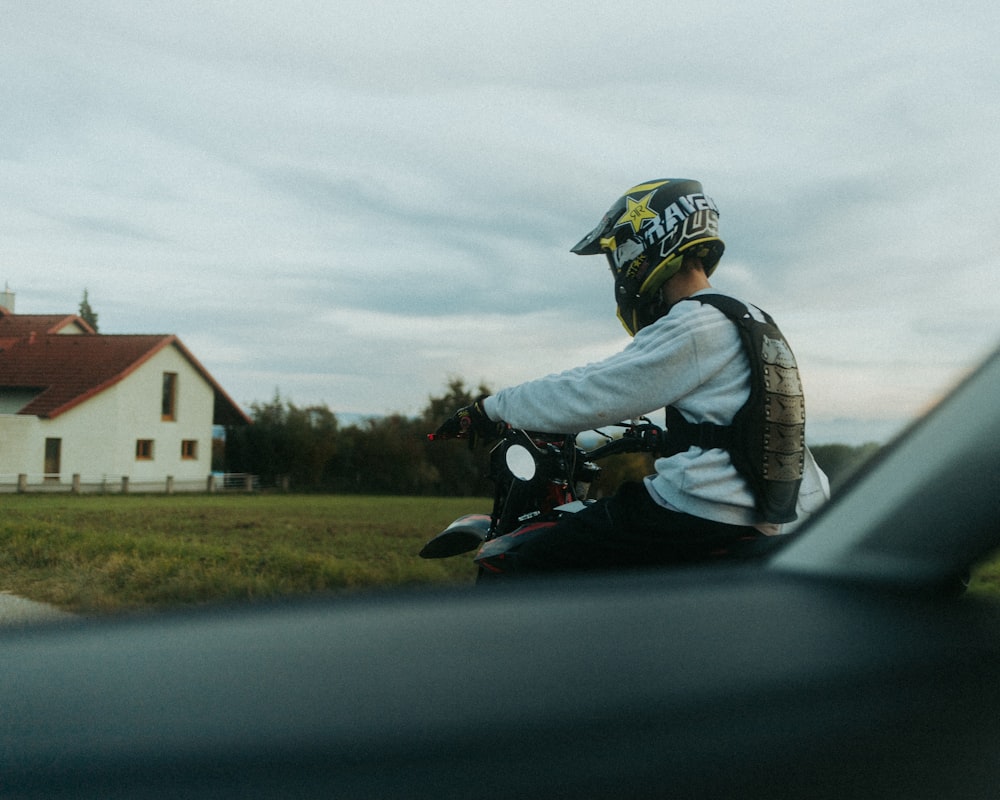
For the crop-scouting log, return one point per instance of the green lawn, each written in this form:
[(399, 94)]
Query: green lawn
[(95, 553)]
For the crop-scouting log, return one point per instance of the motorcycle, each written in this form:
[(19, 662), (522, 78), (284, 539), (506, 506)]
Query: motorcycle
[(538, 478)]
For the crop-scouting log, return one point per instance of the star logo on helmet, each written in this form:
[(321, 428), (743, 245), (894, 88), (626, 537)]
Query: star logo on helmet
[(637, 212)]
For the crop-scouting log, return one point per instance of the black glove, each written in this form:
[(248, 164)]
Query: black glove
[(471, 422)]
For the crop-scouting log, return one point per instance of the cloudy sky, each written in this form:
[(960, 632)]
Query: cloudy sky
[(349, 204)]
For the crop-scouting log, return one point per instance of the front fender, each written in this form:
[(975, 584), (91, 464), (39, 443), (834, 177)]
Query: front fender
[(463, 535)]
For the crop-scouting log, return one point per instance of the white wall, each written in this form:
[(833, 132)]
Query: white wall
[(99, 436)]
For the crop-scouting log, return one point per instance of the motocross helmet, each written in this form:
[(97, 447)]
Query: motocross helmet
[(645, 236)]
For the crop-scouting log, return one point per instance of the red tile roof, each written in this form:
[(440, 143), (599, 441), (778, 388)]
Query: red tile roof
[(68, 369), (18, 326)]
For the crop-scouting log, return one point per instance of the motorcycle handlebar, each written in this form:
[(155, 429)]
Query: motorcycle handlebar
[(637, 438), (614, 448)]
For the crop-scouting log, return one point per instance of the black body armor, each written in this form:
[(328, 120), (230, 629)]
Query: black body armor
[(766, 439)]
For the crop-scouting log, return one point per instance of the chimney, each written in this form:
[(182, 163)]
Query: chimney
[(7, 298)]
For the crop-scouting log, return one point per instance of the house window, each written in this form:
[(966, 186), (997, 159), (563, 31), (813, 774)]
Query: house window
[(53, 457), (189, 449), (169, 409), (144, 450)]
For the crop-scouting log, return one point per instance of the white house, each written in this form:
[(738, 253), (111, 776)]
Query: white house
[(103, 407)]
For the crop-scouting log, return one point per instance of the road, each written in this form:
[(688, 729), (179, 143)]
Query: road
[(16, 610)]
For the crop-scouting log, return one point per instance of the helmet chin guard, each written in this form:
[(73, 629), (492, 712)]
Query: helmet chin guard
[(645, 236)]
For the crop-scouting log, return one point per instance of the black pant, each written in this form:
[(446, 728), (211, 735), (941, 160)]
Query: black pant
[(626, 530)]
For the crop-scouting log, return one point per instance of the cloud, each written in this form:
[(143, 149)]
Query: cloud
[(353, 203)]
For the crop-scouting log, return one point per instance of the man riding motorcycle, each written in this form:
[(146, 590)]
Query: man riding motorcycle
[(735, 466)]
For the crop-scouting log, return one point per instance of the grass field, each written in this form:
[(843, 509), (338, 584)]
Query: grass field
[(102, 554), (95, 554)]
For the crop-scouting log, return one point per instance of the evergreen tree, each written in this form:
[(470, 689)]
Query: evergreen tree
[(87, 314)]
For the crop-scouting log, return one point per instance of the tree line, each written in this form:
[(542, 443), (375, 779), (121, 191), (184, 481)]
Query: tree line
[(306, 449)]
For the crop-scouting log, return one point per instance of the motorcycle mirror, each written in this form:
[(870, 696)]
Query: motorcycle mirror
[(520, 462)]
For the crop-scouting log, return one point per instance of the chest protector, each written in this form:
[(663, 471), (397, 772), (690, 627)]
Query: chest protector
[(766, 439)]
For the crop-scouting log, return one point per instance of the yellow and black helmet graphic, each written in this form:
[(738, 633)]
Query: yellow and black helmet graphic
[(645, 236)]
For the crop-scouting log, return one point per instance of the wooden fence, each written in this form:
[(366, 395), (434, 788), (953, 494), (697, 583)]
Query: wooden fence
[(81, 484)]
